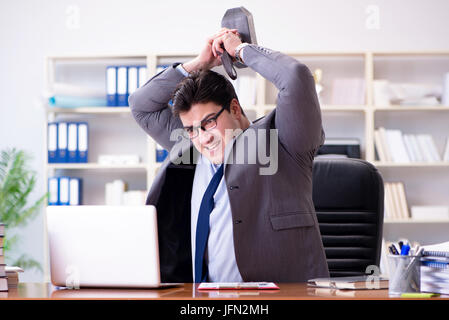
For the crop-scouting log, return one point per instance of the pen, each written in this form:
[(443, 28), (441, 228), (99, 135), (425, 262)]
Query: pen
[(419, 295), (390, 248), (393, 248), (405, 249)]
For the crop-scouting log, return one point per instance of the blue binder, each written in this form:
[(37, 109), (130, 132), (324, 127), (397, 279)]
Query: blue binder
[(133, 79), (62, 142), (143, 77), (122, 86), (75, 190), (64, 191), (161, 67), (83, 142), (161, 153), (53, 189), (111, 86), (52, 142), (72, 145)]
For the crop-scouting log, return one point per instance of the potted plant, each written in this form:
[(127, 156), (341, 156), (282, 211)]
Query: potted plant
[(16, 183)]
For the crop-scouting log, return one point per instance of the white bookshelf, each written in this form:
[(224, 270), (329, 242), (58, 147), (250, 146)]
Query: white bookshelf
[(339, 121)]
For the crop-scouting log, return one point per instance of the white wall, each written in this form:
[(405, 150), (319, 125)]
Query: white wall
[(31, 29)]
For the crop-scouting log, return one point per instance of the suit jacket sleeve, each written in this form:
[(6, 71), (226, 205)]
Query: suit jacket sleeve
[(298, 113), (149, 106)]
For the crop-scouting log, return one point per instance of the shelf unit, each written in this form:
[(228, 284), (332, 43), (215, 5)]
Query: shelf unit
[(339, 121)]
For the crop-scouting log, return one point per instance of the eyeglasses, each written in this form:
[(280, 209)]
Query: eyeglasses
[(206, 125)]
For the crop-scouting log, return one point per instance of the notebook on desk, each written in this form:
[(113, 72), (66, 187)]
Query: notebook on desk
[(352, 283), (238, 286)]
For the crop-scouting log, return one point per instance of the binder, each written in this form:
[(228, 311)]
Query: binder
[(75, 191), (111, 86), (72, 146), (62, 142), (83, 142), (161, 153), (122, 86), (53, 186), (142, 75), (52, 142), (161, 67), (64, 191), (133, 79)]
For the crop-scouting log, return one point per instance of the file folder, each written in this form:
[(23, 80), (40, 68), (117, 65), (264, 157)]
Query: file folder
[(52, 142), (161, 153), (122, 86), (75, 192), (62, 142), (53, 191), (72, 146), (83, 142), (133, 79), (111, 86), (64, 189), (143, 77)]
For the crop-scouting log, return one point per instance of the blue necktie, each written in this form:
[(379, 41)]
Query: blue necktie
[(202, 226)]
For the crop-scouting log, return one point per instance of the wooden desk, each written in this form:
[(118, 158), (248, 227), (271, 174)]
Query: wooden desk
[(288, 291)]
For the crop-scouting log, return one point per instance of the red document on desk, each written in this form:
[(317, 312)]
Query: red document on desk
[(238, 286)]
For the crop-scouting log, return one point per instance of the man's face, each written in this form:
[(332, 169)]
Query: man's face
[(211, 143)]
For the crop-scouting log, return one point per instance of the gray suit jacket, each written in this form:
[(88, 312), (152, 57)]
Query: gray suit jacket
[(276, 233)]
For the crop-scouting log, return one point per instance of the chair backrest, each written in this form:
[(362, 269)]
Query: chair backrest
[(348, 195)]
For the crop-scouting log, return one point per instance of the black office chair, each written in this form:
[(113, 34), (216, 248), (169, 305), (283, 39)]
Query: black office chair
[(349, 201)]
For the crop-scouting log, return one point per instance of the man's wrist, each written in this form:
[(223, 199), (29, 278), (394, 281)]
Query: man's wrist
[(192, 65), (238, 52)]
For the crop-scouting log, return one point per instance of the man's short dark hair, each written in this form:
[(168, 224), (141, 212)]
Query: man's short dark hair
[(203, 87)]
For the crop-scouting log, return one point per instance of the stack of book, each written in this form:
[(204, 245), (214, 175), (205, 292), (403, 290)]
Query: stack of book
[(12, 273), (435, 269), (3, 278), (395, 207), (393, 146)]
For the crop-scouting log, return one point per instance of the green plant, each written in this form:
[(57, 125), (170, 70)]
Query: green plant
[(16, 183)]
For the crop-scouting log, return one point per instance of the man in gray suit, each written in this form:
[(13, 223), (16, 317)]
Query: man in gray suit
[(221, 217)]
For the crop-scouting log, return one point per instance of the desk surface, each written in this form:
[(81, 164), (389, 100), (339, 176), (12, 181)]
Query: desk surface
[(288, 291)]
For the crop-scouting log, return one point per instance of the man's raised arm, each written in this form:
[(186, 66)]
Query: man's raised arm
[(149, 106), (298, 113)]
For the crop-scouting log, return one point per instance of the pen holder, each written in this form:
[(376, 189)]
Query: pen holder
[(404, 274)]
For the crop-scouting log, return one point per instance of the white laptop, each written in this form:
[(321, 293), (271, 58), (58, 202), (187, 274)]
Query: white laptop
[(103, 246)]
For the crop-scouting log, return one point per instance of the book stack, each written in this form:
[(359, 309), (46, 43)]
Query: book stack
[(67, 95), (12, 273), (3, 278), (435, 269), (395, 207), (393, 146)]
